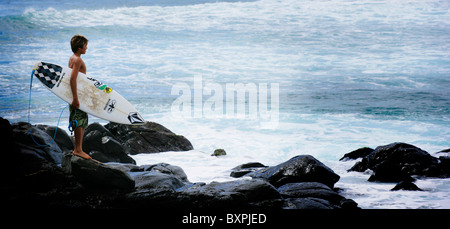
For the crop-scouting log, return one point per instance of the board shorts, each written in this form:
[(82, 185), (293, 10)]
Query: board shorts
[(80, 116)]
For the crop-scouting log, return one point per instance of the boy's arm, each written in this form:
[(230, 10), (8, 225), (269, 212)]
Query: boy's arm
[(73, 82)]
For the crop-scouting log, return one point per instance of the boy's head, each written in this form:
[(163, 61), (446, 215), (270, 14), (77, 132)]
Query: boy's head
[(78, 42)]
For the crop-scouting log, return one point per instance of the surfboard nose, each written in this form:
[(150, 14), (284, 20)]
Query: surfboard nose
[(36, 66)]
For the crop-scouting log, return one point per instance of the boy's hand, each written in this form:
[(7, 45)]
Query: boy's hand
[(75, 103)]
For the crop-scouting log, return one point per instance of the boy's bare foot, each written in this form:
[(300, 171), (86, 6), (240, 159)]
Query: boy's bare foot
[(81, 154)]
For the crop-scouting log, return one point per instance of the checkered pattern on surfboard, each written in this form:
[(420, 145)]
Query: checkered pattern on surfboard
[(48, 74)]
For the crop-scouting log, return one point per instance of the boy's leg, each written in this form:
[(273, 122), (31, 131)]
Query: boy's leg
[(78, 151), (81, 123)]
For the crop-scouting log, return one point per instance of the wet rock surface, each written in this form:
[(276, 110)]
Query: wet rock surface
[(51, 177), (399, 163)]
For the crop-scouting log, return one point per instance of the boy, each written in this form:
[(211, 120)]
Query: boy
[(79, 47)]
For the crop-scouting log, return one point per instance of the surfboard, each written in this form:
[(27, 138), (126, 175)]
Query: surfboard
[(96, 98)]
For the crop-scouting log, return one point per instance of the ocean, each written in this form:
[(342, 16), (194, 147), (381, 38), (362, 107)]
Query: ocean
[(265, 80)]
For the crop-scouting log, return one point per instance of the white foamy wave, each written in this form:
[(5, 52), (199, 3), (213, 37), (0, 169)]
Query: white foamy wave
[(155, 17), (326, 137), (239, 15), (378, 195)]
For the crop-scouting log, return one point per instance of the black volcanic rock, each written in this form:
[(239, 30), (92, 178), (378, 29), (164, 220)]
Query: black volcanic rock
[(398, 161), (24, 134), (150, 137), (35, 177), (302, 168), (359, 153), (101, 145), (406, 185), (244, 169), (98, 175)]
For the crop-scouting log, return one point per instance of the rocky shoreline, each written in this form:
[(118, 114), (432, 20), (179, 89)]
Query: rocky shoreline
[(51, 177)]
